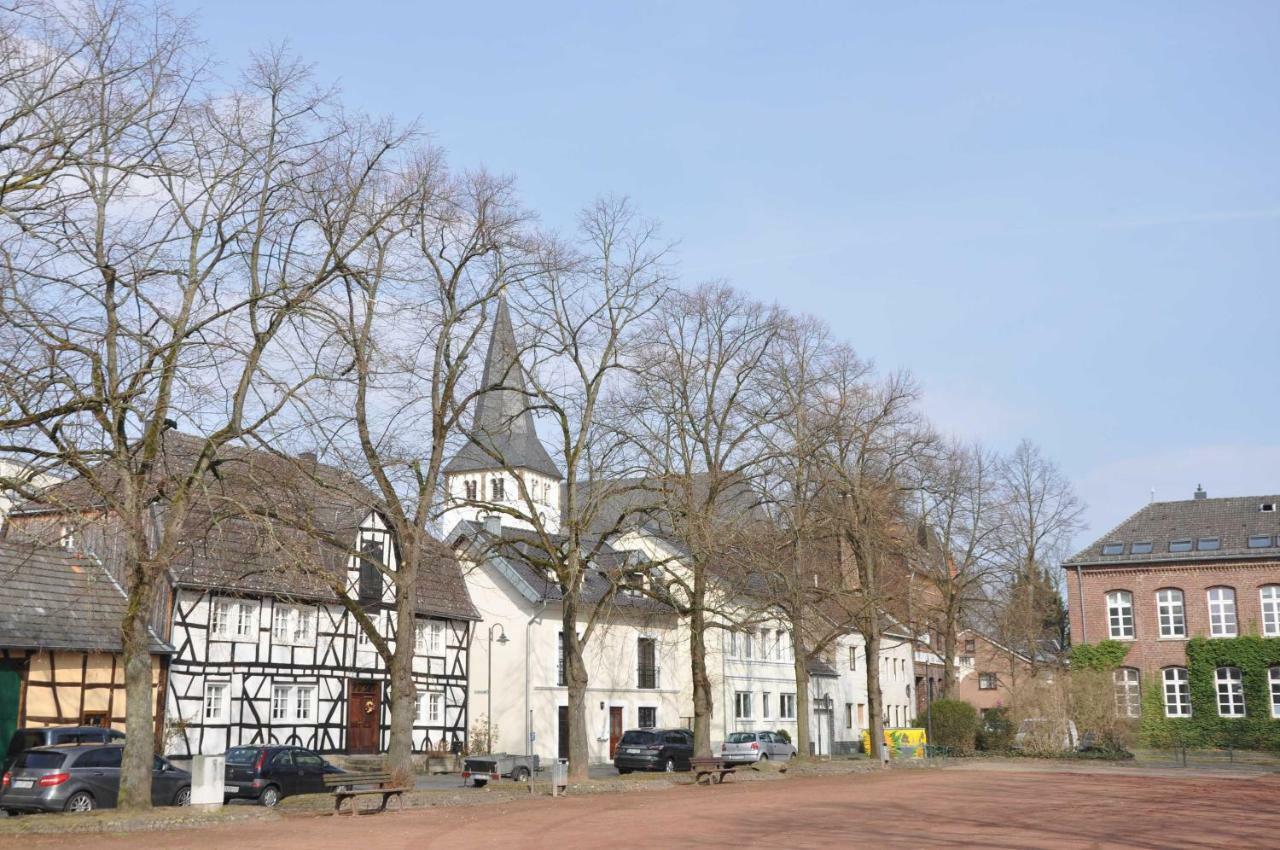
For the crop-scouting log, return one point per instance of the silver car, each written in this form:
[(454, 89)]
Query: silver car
[(750, 747), (82, 778)]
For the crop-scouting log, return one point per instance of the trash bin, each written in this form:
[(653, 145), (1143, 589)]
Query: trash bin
[(559, 777)]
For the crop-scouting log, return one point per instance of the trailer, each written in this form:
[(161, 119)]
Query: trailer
[(482, 770)]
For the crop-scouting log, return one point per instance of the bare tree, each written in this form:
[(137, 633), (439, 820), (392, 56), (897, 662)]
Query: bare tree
[(159, 290), (698, 416), (1042, 512), (961, 512), (396, 345), (583, 309)]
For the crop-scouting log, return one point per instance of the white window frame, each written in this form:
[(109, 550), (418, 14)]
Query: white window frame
[(1269, 595), (748, 645), (764, 705), (1128, 691), (1223, 620), (280, 695), (1120, 622), (1171, 612), (435, 637), (1177, 692), (294, 702), (742, 709), (293, 625), (1273, 679), (223, 714), (431, 709), (786, 706), (233, 619), (983, 678), (1228, 683)]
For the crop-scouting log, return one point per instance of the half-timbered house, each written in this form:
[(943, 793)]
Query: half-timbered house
[(277, 556)]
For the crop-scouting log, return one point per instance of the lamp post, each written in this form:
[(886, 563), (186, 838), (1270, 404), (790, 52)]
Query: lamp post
[(488, 718)]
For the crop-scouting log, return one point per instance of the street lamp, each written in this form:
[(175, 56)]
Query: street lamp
[(488, 719)]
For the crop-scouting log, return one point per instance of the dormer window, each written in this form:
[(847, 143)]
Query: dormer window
[(1180, 545), (1267, 507), (1113, 549), (1141, 548), (1259, 541), (1208, 544)]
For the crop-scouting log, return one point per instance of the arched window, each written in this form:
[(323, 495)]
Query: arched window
[(497, 488), (1271, 610), (1274, 678), (1230, 686), (1222, 612), (1128, 693), (1177, 692), (1173, 616), (1120, 614), (470, 487)]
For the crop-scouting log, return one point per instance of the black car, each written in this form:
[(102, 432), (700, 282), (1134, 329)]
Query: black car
[(29, 739), (268, 773), (654, 749)]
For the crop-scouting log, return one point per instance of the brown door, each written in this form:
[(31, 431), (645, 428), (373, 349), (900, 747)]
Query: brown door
[(564, 732), (615, 728), (364, 715)]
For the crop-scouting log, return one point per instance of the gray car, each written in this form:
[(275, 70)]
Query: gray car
[(750, 747), (82, 778)]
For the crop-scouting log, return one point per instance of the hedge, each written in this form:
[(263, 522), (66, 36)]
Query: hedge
[(955, 724)]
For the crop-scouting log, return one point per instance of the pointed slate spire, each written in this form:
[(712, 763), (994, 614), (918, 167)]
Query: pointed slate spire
[(503, 421)]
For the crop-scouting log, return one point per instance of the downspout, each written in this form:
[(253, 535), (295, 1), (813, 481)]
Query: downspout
[(528, 719), (1084, 631)]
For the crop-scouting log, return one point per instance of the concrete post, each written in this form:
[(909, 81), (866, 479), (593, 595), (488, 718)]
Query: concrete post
[(208, 775)]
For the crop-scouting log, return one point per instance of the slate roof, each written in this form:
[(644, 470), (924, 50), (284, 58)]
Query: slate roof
[(503, 432), (1232, 520), (273, 525), (519, 554), (54, 599)]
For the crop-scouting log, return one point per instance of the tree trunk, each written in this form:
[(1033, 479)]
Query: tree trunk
[(803, 714), (949, 653), (139, 744), (874, 698), (575, 671), (404, 692), (703, 704)]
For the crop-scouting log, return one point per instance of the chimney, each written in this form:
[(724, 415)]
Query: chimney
[(493, 525), (1200, 493)]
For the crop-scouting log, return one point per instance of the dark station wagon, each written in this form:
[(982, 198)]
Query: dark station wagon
[(654, 749), (268, 773)]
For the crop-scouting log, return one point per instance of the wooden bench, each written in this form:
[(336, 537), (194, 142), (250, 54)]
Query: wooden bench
[(712, 767), (343, 785)]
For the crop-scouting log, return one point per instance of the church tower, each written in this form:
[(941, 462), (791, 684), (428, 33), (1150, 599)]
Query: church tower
[(503, 445)]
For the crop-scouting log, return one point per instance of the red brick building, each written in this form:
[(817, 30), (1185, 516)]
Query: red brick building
[(1173, 571)]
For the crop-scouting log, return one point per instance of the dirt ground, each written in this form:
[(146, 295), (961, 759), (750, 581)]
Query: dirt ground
[(956, 807)]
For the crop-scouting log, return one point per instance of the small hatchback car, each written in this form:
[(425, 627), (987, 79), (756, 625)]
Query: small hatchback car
[(82, 778), (654, 749), (267, 774)]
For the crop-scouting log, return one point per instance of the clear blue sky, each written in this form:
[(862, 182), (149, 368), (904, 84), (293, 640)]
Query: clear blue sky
[(1063, 218)]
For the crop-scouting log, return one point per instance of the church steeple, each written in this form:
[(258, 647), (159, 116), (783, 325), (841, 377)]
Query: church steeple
[(503, 421)]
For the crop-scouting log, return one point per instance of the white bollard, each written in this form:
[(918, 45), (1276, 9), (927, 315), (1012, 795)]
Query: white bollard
[(208, 776)]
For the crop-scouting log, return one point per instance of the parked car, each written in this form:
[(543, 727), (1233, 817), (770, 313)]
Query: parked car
[(749, 747), (81, 778), (654, 749), (29, 739), (1045, 734), (268, 773)]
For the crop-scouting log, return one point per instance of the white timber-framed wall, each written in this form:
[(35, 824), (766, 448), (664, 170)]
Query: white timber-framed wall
[(241, 676)]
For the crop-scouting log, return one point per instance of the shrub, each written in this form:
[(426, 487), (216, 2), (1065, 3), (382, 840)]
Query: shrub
[(784, 735), (955, 724), (995, 732)]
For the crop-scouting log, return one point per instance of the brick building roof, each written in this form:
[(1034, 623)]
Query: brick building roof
[(1161, 530)]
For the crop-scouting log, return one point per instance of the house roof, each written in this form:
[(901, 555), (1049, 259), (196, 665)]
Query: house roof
[(503, 433), (1231, 520), (520, 555), (54, 599), (263, 523)]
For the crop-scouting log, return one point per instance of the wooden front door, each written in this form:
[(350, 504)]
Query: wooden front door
[(563, 749), (615, 728), (364, 715)]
